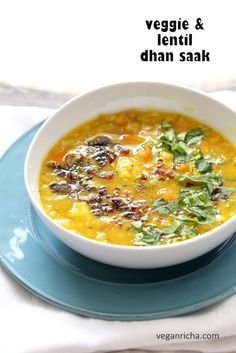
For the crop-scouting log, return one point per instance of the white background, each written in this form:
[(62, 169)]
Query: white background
[(75, 45)]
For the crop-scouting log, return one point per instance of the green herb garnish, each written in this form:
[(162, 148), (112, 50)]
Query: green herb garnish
[(149, 234), (164, 206), (203, 165), (199, 193), (193, 137), (181, 145)]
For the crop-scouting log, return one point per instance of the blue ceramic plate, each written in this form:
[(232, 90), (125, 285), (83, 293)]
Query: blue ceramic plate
[(57, 274)]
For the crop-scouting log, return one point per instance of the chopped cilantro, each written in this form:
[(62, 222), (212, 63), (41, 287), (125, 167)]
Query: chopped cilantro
[(146, 234), (149, 234), (193, 137), (164, 206), (190, 232), (172, 228), (203, 165), (208, 178), (165, 124), (224, 193), (182, 144), (137, 225), (155, 151), (199, 193)]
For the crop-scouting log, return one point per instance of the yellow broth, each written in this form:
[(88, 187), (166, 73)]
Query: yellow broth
[(132, 178)]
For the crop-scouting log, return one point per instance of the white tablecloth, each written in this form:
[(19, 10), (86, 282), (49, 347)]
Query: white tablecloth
[(28, 325)]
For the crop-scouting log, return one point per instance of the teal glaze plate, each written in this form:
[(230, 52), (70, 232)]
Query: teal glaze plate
[(62, 277)]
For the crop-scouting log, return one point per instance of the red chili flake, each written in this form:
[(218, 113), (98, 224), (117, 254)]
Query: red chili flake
[(91, 171), (214, 198), (144, 176), (116, 192), (170, 174), (122, 149), (160, 162), (159, 171), (216, 190)]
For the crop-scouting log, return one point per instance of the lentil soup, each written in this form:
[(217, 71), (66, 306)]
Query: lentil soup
[(140, 177)]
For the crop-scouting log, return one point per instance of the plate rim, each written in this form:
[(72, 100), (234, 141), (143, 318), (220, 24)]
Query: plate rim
[(113, 317)]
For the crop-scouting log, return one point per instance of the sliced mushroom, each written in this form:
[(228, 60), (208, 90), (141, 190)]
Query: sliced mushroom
[(61, 188), (100, 141)]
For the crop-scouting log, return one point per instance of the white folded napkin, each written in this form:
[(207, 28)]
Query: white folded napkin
[(28, 325)]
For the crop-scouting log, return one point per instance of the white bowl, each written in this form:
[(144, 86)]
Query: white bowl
[(115, 98)]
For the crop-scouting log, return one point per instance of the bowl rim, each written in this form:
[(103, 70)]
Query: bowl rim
[(90, 241)]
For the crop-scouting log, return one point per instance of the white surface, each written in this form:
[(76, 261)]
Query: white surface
[(27, 325), (115, 98), (75, 45)]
